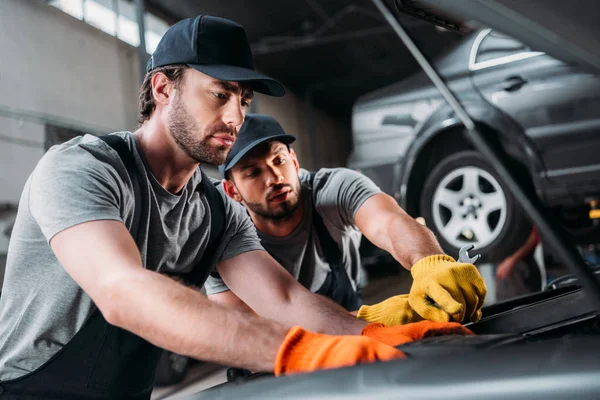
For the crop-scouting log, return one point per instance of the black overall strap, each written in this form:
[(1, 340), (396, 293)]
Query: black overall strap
[(217, 229), (337, 285), (331, 250), (120, 146)]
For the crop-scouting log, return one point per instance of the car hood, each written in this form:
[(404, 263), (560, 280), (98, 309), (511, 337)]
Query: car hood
[(566, 30)]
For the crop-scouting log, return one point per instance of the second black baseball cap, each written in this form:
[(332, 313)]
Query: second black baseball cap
[(256, 129), (216, 47)]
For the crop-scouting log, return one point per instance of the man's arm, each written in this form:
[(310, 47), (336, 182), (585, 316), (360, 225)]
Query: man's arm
[(506, 267), (229, 299), (390, 228), (103, 259), (273, 293)]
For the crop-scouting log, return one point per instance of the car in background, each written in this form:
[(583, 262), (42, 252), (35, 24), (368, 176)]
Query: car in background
[(542, 113)]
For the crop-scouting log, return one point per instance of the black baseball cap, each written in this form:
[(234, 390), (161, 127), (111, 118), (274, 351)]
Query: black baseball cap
[(216, 47), (256, 129)]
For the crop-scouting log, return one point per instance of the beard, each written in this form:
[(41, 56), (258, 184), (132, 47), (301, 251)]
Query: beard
[(283, 211), (186, 134)]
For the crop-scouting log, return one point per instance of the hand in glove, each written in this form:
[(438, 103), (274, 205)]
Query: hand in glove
[(303, 351), (445, 290), (400, 334), (390, 312)]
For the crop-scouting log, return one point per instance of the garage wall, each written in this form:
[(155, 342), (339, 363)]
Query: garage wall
[(54, 70), (57, 71), (332, 138)]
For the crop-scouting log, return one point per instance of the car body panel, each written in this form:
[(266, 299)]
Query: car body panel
[(516, 144), (548, 121), (558, 27), (557, 107)]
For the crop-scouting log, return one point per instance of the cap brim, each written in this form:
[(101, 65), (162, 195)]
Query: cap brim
[(287, 139), (260, 83)]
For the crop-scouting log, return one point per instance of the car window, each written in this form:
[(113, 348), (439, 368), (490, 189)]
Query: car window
[(492, 48), (495, 45)]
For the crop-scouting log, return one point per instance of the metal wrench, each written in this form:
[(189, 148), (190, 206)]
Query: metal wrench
[(463, 255)]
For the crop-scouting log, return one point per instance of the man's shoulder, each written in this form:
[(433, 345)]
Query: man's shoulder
[(318, 179), (80, 161), (87, 146)]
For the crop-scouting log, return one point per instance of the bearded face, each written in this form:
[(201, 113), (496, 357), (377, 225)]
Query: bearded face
[(193, 140), (278, 204)]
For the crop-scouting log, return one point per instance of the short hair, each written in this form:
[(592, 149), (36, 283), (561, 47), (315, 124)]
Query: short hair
[(174, 73)]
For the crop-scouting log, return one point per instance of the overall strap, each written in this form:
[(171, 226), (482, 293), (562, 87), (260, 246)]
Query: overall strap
[(217, 229), (120, 146), (331, 250)]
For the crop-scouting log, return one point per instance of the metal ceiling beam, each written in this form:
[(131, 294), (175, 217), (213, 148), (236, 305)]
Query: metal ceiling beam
[(141, 49), (162, 13), (312, 41), (316, 7)]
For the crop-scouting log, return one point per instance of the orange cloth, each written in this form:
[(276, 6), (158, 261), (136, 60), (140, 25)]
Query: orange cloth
[(400, 334), (304, 351)]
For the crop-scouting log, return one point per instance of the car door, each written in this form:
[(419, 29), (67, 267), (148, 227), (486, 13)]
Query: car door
[(557, 105)]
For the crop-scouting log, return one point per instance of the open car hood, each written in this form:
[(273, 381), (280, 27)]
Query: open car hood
[(565, 29)]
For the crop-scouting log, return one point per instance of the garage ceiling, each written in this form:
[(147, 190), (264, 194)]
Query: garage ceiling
[(329, 50)]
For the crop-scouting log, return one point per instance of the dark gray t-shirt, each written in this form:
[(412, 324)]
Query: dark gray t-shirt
[(337, 195), (41, 307)]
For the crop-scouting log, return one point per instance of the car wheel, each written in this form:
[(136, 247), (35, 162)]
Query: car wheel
[(171, 369), (463, 202)]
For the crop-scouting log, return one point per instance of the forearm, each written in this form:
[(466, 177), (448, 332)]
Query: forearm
[(229, 299), (266, 287), (317, 313), (527, 248), (390, 228), (410, 241), (184, 321)]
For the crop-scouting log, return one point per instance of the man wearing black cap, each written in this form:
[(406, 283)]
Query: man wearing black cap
[(312, 222), (111, 231)]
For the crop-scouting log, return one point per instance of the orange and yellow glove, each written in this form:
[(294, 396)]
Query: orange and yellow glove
[(304, 351), (394, 311), (400, 334), (445, 290)]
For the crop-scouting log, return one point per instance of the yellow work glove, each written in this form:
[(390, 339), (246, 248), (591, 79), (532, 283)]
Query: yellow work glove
[(445, 290), (390, 312)]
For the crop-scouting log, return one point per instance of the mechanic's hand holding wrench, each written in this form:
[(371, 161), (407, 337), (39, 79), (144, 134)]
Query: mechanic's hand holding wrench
[(446, 290)]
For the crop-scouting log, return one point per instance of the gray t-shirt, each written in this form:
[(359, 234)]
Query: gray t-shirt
[(337, 194), (41, 307)]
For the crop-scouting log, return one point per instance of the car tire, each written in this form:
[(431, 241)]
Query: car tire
[(464, 202), (171, 369)]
